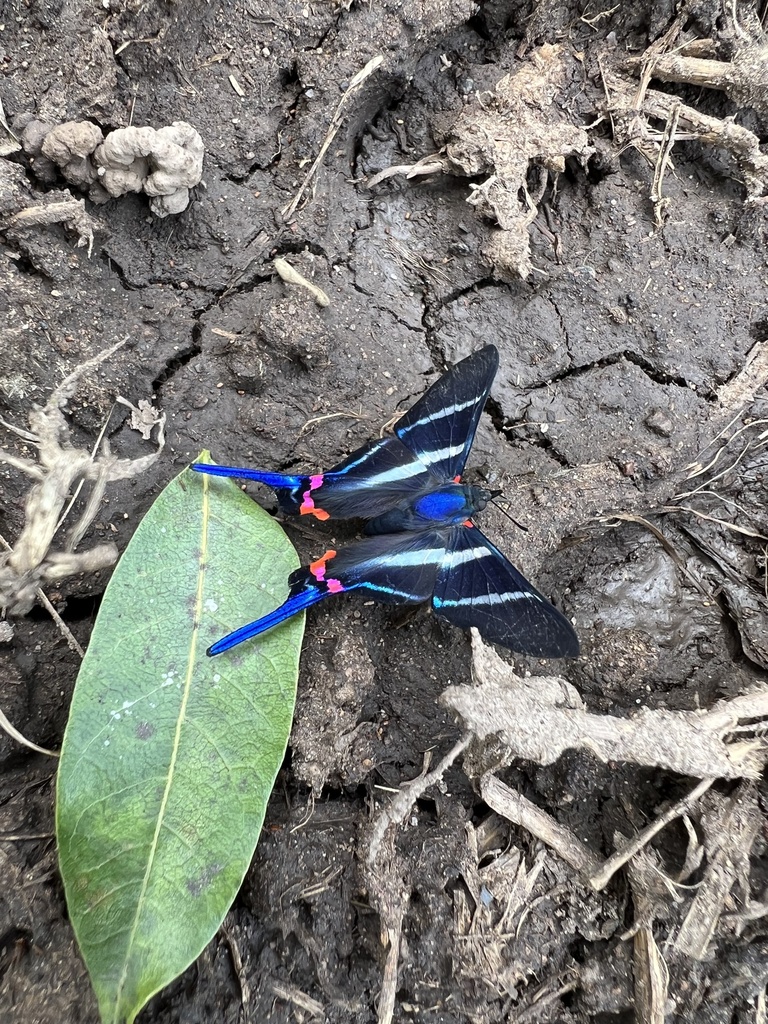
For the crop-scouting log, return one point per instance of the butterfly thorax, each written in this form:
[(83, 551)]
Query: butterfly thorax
[(448, 505)]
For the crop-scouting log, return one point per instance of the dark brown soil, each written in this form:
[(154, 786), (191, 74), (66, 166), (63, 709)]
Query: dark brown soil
[(618, 354)]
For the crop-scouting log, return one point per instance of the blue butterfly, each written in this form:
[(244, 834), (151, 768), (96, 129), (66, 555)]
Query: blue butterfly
[(422, 543)]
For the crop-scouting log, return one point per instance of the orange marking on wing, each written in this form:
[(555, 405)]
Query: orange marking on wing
[(317, 568), (308, 506), (311, 509)]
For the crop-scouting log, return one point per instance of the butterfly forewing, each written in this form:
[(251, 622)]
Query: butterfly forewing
[(432, 442), (372, 480), (477, 586), (440, 428)]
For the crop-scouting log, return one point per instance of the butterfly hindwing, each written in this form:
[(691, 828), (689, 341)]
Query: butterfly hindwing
[(477, 586), (395, 568)]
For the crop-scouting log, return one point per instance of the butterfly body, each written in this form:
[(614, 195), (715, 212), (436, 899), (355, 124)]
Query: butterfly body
[(447, 505), (421, 543)]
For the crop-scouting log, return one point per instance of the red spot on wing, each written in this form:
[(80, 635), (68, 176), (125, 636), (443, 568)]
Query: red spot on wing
[(318, 513), (308, 506), (457, 479), (469, 523), (318, 568), (334, 586)]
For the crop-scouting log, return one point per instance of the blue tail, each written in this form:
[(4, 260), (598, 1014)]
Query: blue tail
[(275, 480), (292, 606)]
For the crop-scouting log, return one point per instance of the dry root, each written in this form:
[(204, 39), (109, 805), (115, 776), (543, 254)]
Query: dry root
[(631, 104), (538, 719), (31, 561)]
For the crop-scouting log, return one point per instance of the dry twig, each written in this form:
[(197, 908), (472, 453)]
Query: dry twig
[(632, 847), (520, 811), (383, 871), (336, 123), (397, 811), (650, 970), (660, 203), (293, 994)]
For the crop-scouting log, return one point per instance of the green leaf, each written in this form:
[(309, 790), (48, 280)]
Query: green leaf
[(169, 757)]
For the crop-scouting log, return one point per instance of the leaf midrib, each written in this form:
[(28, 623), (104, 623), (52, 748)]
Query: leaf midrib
[(116, 1018)]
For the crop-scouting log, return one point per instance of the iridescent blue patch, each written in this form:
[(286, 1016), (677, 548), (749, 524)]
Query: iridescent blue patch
[(443, 506)]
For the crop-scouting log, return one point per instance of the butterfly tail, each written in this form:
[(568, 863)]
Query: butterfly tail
[(296, 602), (294, 493), (279, 481), (308, 585)]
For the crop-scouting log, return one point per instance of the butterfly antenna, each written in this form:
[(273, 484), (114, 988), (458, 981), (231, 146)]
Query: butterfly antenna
[(495, 494)]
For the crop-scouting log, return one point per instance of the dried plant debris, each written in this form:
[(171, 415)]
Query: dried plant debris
[(490, 912), (632, 105), (503, 134), (676, 924), (144, 417), (69, 212), (721, 507), (164, 164), (539, 718), (21, 210), (31, 560), (291, 276), (730, 825), (336, 122)]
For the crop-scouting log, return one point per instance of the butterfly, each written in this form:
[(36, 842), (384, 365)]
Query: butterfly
[(421, 542)]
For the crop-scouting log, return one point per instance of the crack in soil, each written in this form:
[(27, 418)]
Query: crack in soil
[(653, 373), (176, 363)]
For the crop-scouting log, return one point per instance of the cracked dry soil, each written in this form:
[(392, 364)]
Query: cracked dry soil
[(630, 352)]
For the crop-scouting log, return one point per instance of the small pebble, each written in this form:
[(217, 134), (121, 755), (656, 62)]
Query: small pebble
[(659, 422)]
